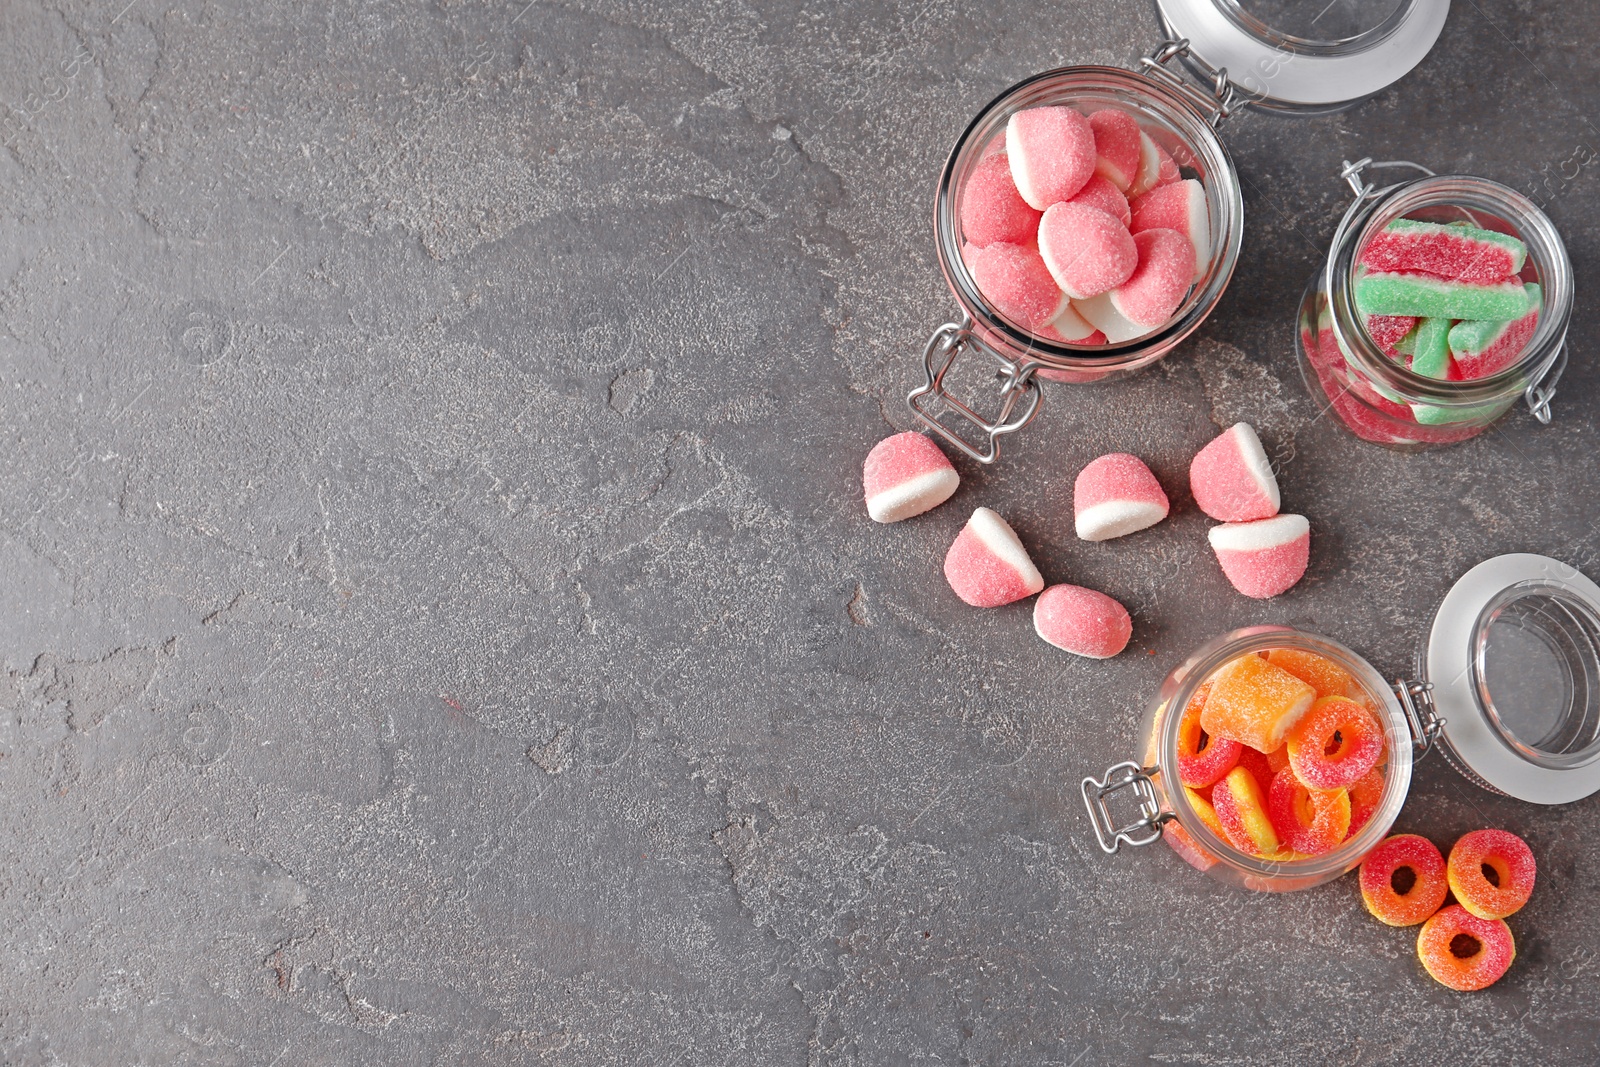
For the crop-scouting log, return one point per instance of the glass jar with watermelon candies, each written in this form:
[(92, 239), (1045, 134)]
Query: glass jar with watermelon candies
[(1444, 301)]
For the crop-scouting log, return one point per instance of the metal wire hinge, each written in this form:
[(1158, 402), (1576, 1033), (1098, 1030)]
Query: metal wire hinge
[(1416, 700), (1543, 390), (1019, 394), (1351, 172), (1144, 830), (1219, 105)]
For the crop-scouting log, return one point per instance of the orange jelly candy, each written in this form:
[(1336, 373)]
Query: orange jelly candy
[(1254, 703), (1179, 840), (1403, 880), (1202, 759), (1334, 744), (1259, 766), (1491, 873), (1320, 673), (1364, 797), (1309, 821), (1242, 812), (1463, 951)]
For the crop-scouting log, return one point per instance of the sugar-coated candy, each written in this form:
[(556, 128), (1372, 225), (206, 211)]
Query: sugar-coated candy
[(991, 208), (906, 475), (987, 565), (1334, 744), (1073, 328), (1263, 558), (1087, 251), (1082, 621), (1242, 810), (1156, 167), (1364, 797), (1484, 348), (1464, 952), (1425, 297), (1388, 331), (1430, 353), (1231, 477), (1259, 766), (1278, 759), (1097, 192), (1502, 854), (1183, 843), (1116, 145), (1116, 495), (1099, 311), (1181, 206), (1319, 672), (1203, 759), (1159, 281), (1420, 890), (1052, 154), (1447, 250), (1309, 821), (1015, 280), (1255, 703)]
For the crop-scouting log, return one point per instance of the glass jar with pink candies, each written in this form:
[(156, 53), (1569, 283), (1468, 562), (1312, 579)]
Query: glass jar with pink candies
[(1444, 301)]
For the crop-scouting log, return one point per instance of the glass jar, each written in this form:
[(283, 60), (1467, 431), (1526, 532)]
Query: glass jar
[(1286, 69), (1507, 688), (1378, 398)]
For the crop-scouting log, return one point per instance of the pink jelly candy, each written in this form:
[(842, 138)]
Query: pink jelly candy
[(1016, 281), (1181, 206), (1086, 250), (1232, 479), (1116, 495), (1052, 153), (987, 566), (1116, 145), (1097, 192), (1156, 167), (1388, 330), (1072, 327), (991, 208), (1082, 621), (1158, 284), (1265, 557), (1445, 250), (1099, 313), (906, 475)]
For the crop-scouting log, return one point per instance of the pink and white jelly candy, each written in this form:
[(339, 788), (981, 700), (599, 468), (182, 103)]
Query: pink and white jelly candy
[(1156, 167), (1116, 145), (1016, 282), (1073, 327), (1265, 557), (1231, 478), (987, 565), (1097, 192), (1086, 250), (1052, 153), (1116, 495), (1181, 206), (991, 208), (1158, 284), (1082, 621), (1099, 313), (905, 475)]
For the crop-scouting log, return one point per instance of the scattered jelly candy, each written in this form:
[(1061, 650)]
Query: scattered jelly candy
[(1464, 952), (1117, 149), (1015, 280), (1403, 880), (1231, 478), (1334, 744), (1159, 281), (987, 565), (1309, 821), (1181, 206), (1319, 672), (1203, 759), (1242, 810), (1052, 154), (1082, 621), (1116, 495), (1087, 251), (1491, 873), (1424, 296), (1265, 557), (905, 475), (1450, 250), (991, 208), (1484, 348), (1255, 703)]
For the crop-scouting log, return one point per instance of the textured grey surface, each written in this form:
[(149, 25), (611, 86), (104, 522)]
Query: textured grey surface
[(442, 626)]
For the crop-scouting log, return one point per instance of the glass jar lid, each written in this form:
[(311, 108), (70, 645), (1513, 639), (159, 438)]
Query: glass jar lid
[(1307, 55), (1514, 660)]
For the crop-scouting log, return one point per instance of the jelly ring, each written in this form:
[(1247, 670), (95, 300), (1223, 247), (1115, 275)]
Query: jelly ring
[(1334, 744), (1491, 873), (1364, 797), (1242, 812), (1202, 758), (1259, 766), (1309, 821), (1403, 880), (1464, 952)]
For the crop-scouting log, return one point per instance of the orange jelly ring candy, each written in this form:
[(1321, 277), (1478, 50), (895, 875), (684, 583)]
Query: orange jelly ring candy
[(1474, 856), (1464, 952), (1415, 902), (1202, 759), (1242, 812), (1334, 744), (1310, 821), (1364, 797)]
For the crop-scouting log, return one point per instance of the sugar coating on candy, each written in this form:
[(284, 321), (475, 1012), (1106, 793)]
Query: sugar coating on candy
[(1052, 154), (1263, 558), (1231, 477), (1242, 810), (1484, 348), (1099, 311), (1116, 145), (1259, 766), (1116, 495), (1334, 744), (1488, 942), (1364, 797), (1430, 353), (1181, 206), (987, 565), (1203, 759), (1421, 898), (991, 208), (1255, 703), (1510, 859), (1160, 280), (1156, 167), (1097, 192), (1447, 250), (1016, 282), (906, 475), (1389, 331), (1087, 251), (1309, 821), (1429, 297), (1319, 672), (1082, 621)]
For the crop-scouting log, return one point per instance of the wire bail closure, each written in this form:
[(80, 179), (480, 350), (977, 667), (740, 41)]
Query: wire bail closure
[(1145, 830), (1217, 106), (1019, 393)]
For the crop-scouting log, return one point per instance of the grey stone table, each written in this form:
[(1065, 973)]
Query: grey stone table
[(441, 625)]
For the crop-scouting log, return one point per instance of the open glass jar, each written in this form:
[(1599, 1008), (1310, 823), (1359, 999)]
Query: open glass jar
[(1245, 52), (1507, 688), (1375, 394)]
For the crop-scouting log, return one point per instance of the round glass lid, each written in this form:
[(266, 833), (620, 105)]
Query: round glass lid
[(1514, 658), (1308, 55)]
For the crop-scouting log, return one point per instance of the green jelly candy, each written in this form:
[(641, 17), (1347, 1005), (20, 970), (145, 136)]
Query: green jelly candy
[(1431, 355), (1414, 294)]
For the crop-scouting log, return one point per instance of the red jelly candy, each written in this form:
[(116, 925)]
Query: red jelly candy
[(1464, 952), (1364, 797), (1334, 744), (1492, 873), (1309, 821), (991, 208), (1402, 880), (1203, 759)]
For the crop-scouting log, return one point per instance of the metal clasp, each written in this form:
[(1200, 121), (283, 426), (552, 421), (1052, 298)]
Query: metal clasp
[(1218, 106), (1144, 830), (1351, 172), (1019, 393), (1543, 390), (1416, 700)]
